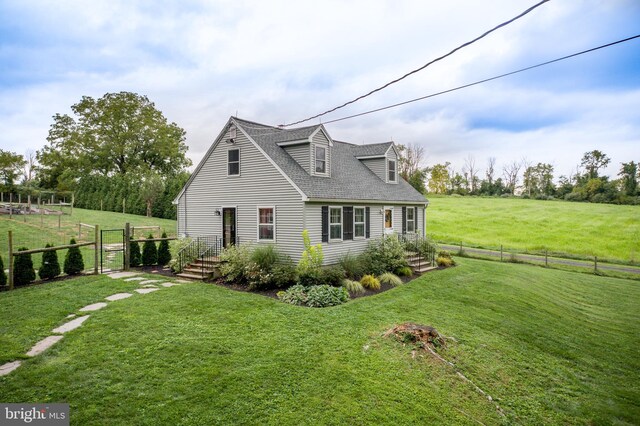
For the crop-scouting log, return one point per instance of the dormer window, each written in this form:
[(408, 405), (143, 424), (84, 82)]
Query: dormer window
[(392, 170), (321, 159)]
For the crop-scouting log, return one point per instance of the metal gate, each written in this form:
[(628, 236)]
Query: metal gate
[(111, 250)]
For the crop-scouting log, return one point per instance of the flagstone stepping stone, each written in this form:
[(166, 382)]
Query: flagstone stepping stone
[(136, 279), (71, 316), (43, 345), (149, 282), (118, 296), (183, 281), (117, 275), (9, 367), (168, 284), (71, 325), (146, 290), (93, 307), (150, 286)]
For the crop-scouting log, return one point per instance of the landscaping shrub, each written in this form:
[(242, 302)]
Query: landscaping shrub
[(390, 279), (235, 261), (149, 252), (315, 296), (444, 259), (50, 267), (370, 282), (353, 287), (353, 266), (23, 272), (310, 277), (73, 263), (384, 255), (283, 274), (174, 248), (333, 275), (312, 256), (3, 275), (321, 296), (295, 295), (164, 254), (405, 271), (135, 258), (265, 257)]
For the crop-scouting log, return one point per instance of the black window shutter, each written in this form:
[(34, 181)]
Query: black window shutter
[(325, 224), (347, 219), (367, 216), (404, 220), (415, 219)]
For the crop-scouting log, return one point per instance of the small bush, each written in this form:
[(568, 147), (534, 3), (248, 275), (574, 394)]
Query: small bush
[(444, 262), (333, 275), (315, 296), (73, 263), (23, 272), (3, 275), (296, 295), (50, 267), (353, 266), (384, 255), (283, 274), (405, 271), (390, 279), (135, 257), (312, 256), (353, 287), (370, 282), (310, 277), (321, 296), (164, 254), (235, 262), (444, 259), (265, 257), (149, 252)]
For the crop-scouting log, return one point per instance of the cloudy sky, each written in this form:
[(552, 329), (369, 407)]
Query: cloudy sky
[(277, 61)]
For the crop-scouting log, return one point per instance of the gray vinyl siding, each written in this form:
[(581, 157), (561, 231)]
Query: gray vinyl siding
[(320, 140), (377, 166), (259, 184), (301, 154)]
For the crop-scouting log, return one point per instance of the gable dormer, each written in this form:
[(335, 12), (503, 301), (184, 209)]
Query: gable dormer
[(381, 159), (311, 149)]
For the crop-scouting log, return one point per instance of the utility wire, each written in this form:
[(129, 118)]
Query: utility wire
[(484, 80), (421, 68)]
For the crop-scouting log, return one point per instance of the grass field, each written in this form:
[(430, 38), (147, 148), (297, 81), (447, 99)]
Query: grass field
[(34, 231), (580, 230), (552, 347)]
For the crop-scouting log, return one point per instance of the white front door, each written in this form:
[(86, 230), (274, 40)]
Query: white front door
[(388, 220)]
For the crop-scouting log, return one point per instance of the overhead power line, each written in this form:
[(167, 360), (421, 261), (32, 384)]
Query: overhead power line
[(475, 83), (421, 68)]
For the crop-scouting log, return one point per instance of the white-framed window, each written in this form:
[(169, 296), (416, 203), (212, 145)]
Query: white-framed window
[(266, 223), (233, 162), (335, 223), (411, 219), (391, 165), (388, 219), (358, 222), (321, 159)]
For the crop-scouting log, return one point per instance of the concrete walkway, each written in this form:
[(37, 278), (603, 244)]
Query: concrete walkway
[(77, 321)]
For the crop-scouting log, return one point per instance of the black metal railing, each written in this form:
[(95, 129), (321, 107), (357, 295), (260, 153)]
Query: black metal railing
[(202, 253), (420, 251)]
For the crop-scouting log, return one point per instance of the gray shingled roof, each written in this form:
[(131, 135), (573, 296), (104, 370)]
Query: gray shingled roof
[(372, 150), (350, 179)]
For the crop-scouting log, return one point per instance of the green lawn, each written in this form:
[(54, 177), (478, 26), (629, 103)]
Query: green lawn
[(37, 230), (553, 347), (608, 231)]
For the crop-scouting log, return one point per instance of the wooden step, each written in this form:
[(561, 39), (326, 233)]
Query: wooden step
[(197, 271), (418, 261), (425, 268), (207, 262)]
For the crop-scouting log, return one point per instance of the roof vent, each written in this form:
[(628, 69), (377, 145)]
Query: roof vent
[(232, 134)]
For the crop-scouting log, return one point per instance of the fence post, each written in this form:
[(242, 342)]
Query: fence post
[(79, 231), (500, 252), (127, 245), (123, 204), (595, 264), (546, 258), (10, 205), (95, 252), (10, 260), (59, 219)]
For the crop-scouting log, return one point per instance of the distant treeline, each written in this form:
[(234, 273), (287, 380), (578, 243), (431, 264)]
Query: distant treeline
[(109, 194)]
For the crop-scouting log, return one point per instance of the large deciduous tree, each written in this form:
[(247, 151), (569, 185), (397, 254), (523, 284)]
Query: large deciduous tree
[(629, 177), (593, 161), (120, 133), (439, 179), (11, 165), (410, 165)]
